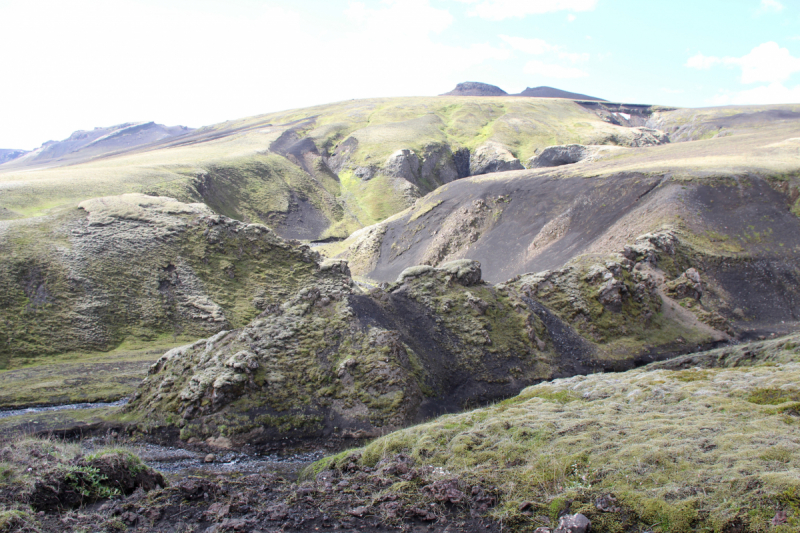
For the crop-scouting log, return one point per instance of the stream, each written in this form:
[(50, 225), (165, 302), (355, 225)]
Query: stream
[(180, 462), (66, 407)]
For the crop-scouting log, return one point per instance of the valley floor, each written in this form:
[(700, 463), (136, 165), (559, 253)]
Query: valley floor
[(703, 442)]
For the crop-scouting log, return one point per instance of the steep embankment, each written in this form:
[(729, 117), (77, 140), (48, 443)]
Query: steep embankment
[(319, 172)]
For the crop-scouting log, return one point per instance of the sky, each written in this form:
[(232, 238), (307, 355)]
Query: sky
[(80, 64)]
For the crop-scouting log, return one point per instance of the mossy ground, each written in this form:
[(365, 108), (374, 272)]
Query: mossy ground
[(680, 450), (79, 377), (49, 475)]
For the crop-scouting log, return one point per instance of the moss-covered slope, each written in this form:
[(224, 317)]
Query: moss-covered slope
[(137, 267)]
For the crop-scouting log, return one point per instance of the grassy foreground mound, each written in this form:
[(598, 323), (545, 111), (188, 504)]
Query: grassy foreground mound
[(48, 475), (653, 449)]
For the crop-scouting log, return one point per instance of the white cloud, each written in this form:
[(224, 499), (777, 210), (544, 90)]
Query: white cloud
[(771, 5), (528, 46), (774, 93), (574, 57), (701, 62), (253, 58), (504, 9), (672, 91), (571, 18), (539, 46), (766, 63), (540, 68)]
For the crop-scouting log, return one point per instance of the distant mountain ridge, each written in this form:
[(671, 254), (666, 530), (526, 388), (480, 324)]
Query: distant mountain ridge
[(7, 155), (83, 145), (476, 88)]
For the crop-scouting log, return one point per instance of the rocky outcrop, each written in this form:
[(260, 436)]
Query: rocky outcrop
[(403, 164), (435, 167), (568, 154), (688, 285), (555, 156), (333, 360), (492, 157)]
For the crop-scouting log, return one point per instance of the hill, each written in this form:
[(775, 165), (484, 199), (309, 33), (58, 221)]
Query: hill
[(475, 88), (8, 155), (728, 205), (316, 173)]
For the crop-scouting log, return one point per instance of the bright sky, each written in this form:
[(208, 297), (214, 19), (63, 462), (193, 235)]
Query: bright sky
[(78, 64)]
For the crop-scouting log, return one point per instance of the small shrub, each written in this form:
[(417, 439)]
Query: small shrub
[(773, 396)]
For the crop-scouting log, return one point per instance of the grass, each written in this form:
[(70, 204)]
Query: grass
[(679, 454), (79, 376), (47, 474)]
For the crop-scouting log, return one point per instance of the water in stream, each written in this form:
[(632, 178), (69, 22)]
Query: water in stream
[(66, 407)]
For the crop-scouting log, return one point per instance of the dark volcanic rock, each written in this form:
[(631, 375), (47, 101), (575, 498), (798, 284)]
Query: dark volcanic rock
[(550, 92), (476, 88)]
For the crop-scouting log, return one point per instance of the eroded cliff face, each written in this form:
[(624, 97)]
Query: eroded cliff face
[(338, 360)]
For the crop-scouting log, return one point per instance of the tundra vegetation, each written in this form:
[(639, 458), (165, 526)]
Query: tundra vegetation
[(473, 282)]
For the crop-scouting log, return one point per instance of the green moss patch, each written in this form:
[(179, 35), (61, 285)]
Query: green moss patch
[(677, 454)]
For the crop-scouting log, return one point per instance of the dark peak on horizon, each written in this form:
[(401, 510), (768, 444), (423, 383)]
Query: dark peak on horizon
[(552, 92), (476, 88)]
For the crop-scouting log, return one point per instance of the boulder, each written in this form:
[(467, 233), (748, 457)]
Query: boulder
[(573, 523), (687, 285), (556, 156), (466, 271), (403, 164), (492, 157)]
